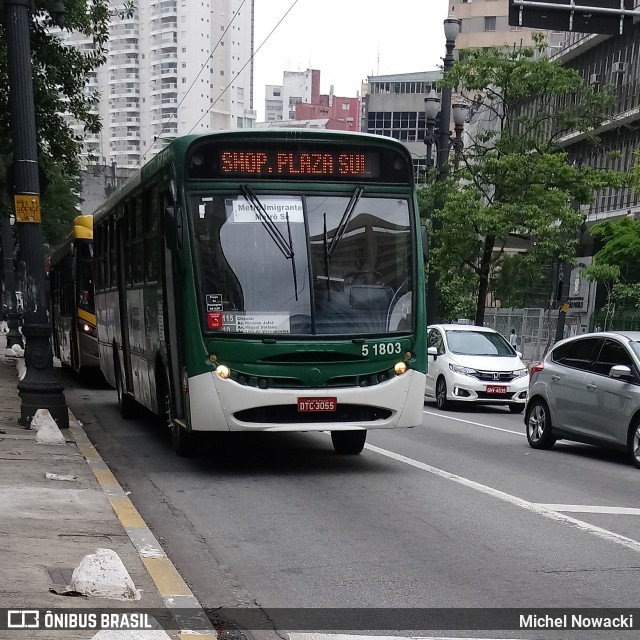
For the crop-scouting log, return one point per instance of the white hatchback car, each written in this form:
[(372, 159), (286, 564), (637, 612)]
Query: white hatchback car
[(474, 364)]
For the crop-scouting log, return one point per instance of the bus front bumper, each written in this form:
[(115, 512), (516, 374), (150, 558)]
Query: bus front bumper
[(224, 405)]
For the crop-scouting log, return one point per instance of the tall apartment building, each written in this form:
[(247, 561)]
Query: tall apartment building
[(174, 67)]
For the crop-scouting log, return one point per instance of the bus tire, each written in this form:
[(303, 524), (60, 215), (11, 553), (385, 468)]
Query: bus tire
[(181, 439), (349, 442), (126, 403)]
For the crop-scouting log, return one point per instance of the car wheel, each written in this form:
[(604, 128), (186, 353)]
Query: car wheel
[(349, 442), (539, 429), (634, 442), (516, 408), (441, 394)]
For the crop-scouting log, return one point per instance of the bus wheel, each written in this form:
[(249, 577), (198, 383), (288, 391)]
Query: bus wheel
[(181, 439), (126, 403), (349, 442)]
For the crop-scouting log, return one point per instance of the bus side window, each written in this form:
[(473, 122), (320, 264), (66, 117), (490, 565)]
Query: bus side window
[(113, 255), (138, 243), (151, 255)]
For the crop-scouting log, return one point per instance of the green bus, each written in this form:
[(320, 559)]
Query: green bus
[(266, 280)]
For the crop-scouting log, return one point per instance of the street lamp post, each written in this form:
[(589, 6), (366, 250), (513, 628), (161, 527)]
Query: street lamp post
[(438, 110), (41, 387)]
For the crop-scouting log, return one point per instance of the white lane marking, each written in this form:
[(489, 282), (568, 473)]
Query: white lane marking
[(583, 508), (345, 636), (477, 424), (585, 527)]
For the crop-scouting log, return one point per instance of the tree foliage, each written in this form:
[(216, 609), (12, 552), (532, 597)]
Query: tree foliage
[(513, 178), (617, 265), (60, 85)]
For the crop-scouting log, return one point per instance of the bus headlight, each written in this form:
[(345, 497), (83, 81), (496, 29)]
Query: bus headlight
[(400, 367), (90, 330), (222, 371)]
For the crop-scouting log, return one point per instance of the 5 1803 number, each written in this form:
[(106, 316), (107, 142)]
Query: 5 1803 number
[(382, 349)]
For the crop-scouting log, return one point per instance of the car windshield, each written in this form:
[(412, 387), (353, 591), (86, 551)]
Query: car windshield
[(305, 265), (478, 343), (635, 347)]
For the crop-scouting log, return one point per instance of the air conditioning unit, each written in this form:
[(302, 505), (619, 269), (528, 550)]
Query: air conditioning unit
[(618, 67), (594, 78)]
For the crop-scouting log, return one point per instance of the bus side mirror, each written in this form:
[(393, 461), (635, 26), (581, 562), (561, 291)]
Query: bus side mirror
[(173, 227)]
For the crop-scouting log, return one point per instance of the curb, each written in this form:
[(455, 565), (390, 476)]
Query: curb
[(171, 587)]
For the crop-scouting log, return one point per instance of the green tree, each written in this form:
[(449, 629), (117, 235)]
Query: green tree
[(521, 281), (60, 79), (617, 265), (514, 180)]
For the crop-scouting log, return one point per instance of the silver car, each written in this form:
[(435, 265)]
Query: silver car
[(587, 389)]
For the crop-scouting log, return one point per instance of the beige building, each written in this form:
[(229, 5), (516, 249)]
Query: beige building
[(485, 23)]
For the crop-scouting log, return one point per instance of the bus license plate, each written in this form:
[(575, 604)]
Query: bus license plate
[(496, 389), (317, 404)]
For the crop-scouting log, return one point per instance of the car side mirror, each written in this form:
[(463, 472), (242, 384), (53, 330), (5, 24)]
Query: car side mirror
[(519, 354), (620, 371), (433, 351)]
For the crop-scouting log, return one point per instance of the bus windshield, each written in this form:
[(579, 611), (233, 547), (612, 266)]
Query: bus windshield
[(320, 265)]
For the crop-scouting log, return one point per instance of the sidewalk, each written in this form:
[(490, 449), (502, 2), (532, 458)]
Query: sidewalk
[(47, 526)]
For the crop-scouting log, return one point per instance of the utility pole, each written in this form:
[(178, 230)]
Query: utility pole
[(41, 387), (438, 133)]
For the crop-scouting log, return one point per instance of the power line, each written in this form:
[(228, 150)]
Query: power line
[(253, 55)]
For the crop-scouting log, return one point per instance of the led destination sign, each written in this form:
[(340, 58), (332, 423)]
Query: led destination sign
[(299, 162), (304, 164)]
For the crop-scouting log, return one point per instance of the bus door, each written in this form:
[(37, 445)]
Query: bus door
[(122, 234), (170, 265)]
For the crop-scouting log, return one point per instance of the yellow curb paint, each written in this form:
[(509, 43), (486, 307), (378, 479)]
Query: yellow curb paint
[(105, 477), (89, 453), (127, 513), (168, 581), (165, 576)]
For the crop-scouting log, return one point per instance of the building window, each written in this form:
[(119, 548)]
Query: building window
[(489, 23)]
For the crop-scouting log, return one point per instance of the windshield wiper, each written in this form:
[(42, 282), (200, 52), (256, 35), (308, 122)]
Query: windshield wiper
[(346, 217), (285, 245), (281, 242)]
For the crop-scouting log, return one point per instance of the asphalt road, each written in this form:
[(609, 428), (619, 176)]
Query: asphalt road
[(459, 512)]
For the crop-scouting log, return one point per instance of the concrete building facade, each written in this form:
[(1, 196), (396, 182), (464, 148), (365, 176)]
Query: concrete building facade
[(297, 87), (612, 63), (298, 98), (174, 67), (485, 24), (394, 107)]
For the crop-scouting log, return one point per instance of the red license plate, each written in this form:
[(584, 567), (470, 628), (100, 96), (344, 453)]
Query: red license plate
[(317, 404), (496, 389)]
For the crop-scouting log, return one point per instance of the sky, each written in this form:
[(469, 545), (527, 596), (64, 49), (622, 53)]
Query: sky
[(347, 40)]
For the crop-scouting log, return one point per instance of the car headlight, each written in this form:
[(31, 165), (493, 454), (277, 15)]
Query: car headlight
[(464, 370), (519, 373)]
